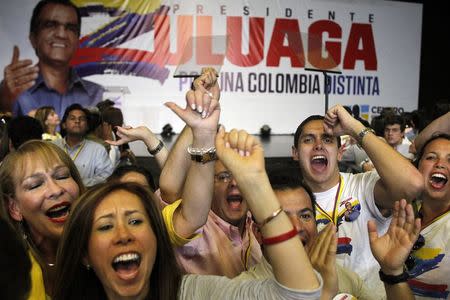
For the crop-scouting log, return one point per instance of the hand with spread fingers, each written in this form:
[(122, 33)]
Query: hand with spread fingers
[(323, 258), (201, 124), (129, 134), (19, 76), (392, 249)]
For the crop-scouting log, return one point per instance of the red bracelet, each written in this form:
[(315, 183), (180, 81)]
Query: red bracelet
[(280, 238)]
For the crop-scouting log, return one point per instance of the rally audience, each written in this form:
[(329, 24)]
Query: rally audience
[(371, 194), (327, 234), (99, 223), (227, 245)]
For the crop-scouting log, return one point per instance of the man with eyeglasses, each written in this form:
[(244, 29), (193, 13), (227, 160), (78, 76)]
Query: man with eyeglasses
[(227, 245), (90, 157), (54, 33)]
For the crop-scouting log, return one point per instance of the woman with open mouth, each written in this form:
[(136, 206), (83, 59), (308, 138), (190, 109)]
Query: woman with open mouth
[(115, 244), (39, 183), (429, 264)]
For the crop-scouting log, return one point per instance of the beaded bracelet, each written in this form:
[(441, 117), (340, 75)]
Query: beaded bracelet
[(280, 238)]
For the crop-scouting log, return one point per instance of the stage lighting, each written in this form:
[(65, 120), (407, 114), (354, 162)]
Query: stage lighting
[(167, 131), (264, 132)]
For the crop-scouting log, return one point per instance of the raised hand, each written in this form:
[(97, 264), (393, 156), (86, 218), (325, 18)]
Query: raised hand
[(205, 94), (19, 76), (202, 109), (392, 249), (323, 258), (208, 81), (339, 122), (240, 152), (129, 134)]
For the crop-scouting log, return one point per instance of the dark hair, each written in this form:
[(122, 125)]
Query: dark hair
[(289, 180), (113, 116), (75, 106), (436, 136), (102, 105), (35, 18), (15, 279), (94, 118), (377, 124), (4, 140), (122, 170), (300, 127), (75, 281), (24, 128), (394, 119)]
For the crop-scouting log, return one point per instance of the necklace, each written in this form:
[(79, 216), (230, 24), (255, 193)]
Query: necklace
[(74, 157), (333, 217)]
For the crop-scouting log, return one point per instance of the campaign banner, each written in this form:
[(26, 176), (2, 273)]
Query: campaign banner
[(272, 56)]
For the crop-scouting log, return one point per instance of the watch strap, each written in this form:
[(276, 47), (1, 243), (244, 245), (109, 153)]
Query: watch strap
[(363, 133), (394, 279)]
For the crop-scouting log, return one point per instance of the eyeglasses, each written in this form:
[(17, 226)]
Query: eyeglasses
[(410, 262), (305, 216), (224, 177), (53, 25)]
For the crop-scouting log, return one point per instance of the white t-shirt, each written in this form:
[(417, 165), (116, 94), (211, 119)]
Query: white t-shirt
[(353, 244), (431, 273), (403, 148)]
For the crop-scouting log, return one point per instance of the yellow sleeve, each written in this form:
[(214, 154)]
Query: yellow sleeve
[(175, 239), (37, 280)]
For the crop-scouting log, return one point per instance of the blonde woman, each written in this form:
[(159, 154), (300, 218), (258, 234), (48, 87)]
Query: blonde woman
[(49, 120)]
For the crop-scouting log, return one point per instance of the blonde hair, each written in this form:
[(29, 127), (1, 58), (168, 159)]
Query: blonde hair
[(42, 114), (14, 168)]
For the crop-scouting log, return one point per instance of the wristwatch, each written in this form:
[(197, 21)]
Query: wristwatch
[(156, 149), (363, 133), (202, 155), (394, 279)]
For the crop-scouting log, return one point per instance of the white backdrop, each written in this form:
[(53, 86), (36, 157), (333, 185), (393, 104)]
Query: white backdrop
[(386, 72)]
